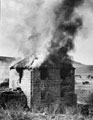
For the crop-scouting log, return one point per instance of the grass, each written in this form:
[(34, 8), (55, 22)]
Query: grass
[(24, 115), (16, 112), (83, 91), (20, 114)]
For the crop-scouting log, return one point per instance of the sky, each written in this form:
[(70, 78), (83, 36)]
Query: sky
[(84, 40), (17, 17)]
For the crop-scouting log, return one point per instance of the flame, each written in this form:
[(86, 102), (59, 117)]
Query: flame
[(44, 28)]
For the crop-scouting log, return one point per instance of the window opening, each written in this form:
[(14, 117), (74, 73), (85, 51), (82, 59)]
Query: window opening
[(65, 70), (43, 73)]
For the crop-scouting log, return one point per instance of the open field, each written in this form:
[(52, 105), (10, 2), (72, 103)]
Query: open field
[(83, 91), (13, 112), (16, 112)]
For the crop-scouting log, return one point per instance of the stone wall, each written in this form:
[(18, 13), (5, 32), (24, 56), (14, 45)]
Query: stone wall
[(46, 91), (68, 89), (26, 85), (51, 87), (45, 86)]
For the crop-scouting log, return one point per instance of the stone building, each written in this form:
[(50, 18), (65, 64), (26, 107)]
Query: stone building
[(44, 85)]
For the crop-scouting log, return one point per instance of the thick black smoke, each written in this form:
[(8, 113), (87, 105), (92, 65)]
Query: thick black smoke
[(67, 25)]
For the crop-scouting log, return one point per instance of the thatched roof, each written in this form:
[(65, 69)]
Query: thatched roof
[(27, 63), (23, 63)]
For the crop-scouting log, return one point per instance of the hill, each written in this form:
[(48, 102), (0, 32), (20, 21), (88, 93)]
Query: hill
[(82, 69), (77, 64), (6, 59), (85, 70)]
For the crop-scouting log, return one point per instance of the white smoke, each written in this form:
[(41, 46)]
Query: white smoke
[(23, 19), (86, 13), (27, 26)]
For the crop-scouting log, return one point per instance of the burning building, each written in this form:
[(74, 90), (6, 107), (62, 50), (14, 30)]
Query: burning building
[(50, 78), (44, 85)]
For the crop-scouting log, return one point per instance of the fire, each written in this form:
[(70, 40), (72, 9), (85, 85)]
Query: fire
[(59, 39), (44, 28)]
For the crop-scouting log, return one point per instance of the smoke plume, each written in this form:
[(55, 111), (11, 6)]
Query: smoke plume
[(41, 27), (67, 25)]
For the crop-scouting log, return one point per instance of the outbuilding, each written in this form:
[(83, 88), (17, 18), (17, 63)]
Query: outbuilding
[(45, 85)]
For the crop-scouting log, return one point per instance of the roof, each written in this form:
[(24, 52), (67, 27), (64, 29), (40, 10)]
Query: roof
[(23, 63), (27, 63)]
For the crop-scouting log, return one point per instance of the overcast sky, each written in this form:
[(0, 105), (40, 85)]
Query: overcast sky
[(13, 14), (84, 40)]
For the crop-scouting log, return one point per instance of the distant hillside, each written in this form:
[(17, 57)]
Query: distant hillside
[(6, 59), (77, 64), (84, 70)]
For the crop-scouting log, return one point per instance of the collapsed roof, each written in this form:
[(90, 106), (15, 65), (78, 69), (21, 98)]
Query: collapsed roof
[(23, 63), (27, 63)]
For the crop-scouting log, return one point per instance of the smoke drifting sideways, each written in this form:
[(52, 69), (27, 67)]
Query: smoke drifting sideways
[(44, 28)]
